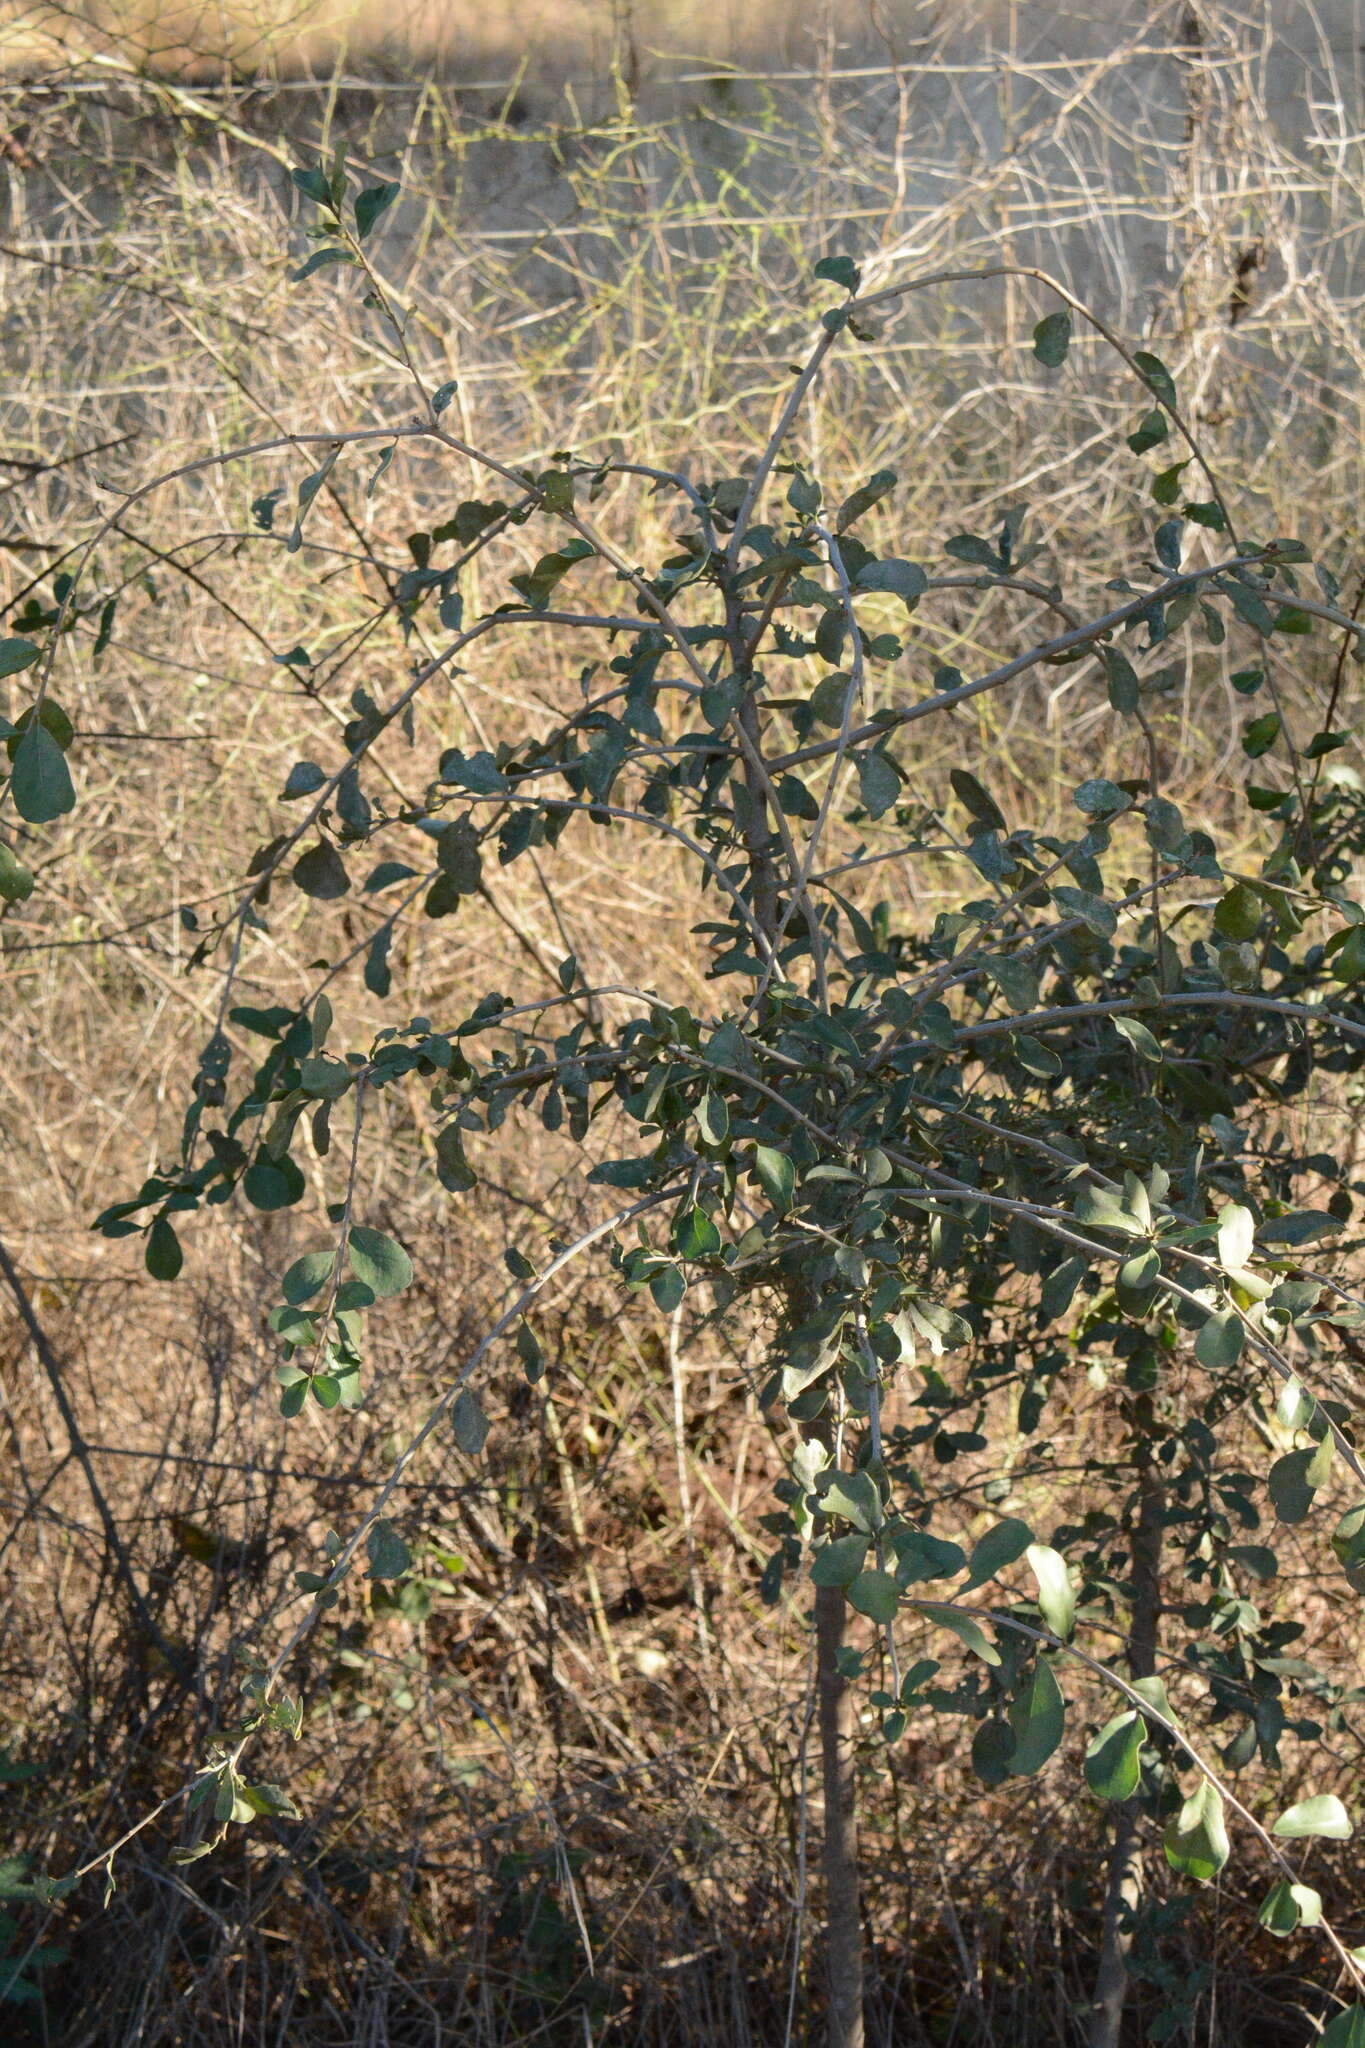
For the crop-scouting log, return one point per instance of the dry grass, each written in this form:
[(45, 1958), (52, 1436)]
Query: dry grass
[(561, 1795), (461, 41)]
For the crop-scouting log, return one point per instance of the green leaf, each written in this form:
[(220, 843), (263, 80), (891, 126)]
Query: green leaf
[(321, 259), (321, 873), (1164, 825), (1035, 1057), (667, 1286), (1113, 1761), (378, 979), (864, 498), (379, 1262), (352, 1294), (1156, 375), (1136, 1282), (306, 1276), (326, 1080), (292, 1326), (1166, 484), (922, 1556), (370, 203), (1294, 1405), (1140, 1038), (314, 184), (40, 779), (163, 1257), (1052, 339), (695, 1236), (1290, 1489), (984, 810), (478, 772), (1302, 1226), (839, 270), (992, 1749), (879, 783), (529, 1352), (303, 779), (875, 1594), (713, 1119), (1290, 1906), (1169, 544), (556, 490), (838, 1562), (1059, 1288), (804, 495), (388, 1554), (999, 1547), (273, 1183), (1238, 915), (854, 1496), (1260, 734), (469, 1423), (1236, 1236), (1151, 429), (1016, 981), (905, 580), (1103, 1209), (1347, 2030), (1256, 1558), (1348, 1541), (1099, 798), (537, 584), (775, 1174), (16, 881), (1196, 1840), (964, 1628), (1056, 1594), (1323, 1815), (1125, 692), (1219, 1343), (453, 1170), (1153, 1690), (623, 1173), (270, 1799), (16, 655), (458, 855), (1319, 1468), (1038, 1717), (387, 873), (970, 547)]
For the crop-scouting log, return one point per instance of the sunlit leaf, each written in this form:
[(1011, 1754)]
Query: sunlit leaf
[(1056, 1594), (1112, 1762), (1196, 1840), (1322, 1815), (378, 1261)]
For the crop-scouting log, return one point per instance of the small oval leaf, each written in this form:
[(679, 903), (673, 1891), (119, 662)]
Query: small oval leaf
[(1323, 1815)]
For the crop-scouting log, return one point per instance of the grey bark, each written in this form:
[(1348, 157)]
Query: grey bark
[(835, 1706), (1123, 1893), (838, 1743)]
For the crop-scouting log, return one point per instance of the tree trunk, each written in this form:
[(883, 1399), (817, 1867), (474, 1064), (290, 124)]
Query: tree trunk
[(837, 1712), (1123, 1894), (838, 1744)]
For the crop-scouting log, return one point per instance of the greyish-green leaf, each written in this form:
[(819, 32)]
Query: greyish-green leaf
[(40, 779)]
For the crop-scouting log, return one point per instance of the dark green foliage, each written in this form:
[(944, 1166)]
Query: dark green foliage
[(1040, 1136)]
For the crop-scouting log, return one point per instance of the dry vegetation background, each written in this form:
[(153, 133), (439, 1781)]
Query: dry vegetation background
[(556, 1790)]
